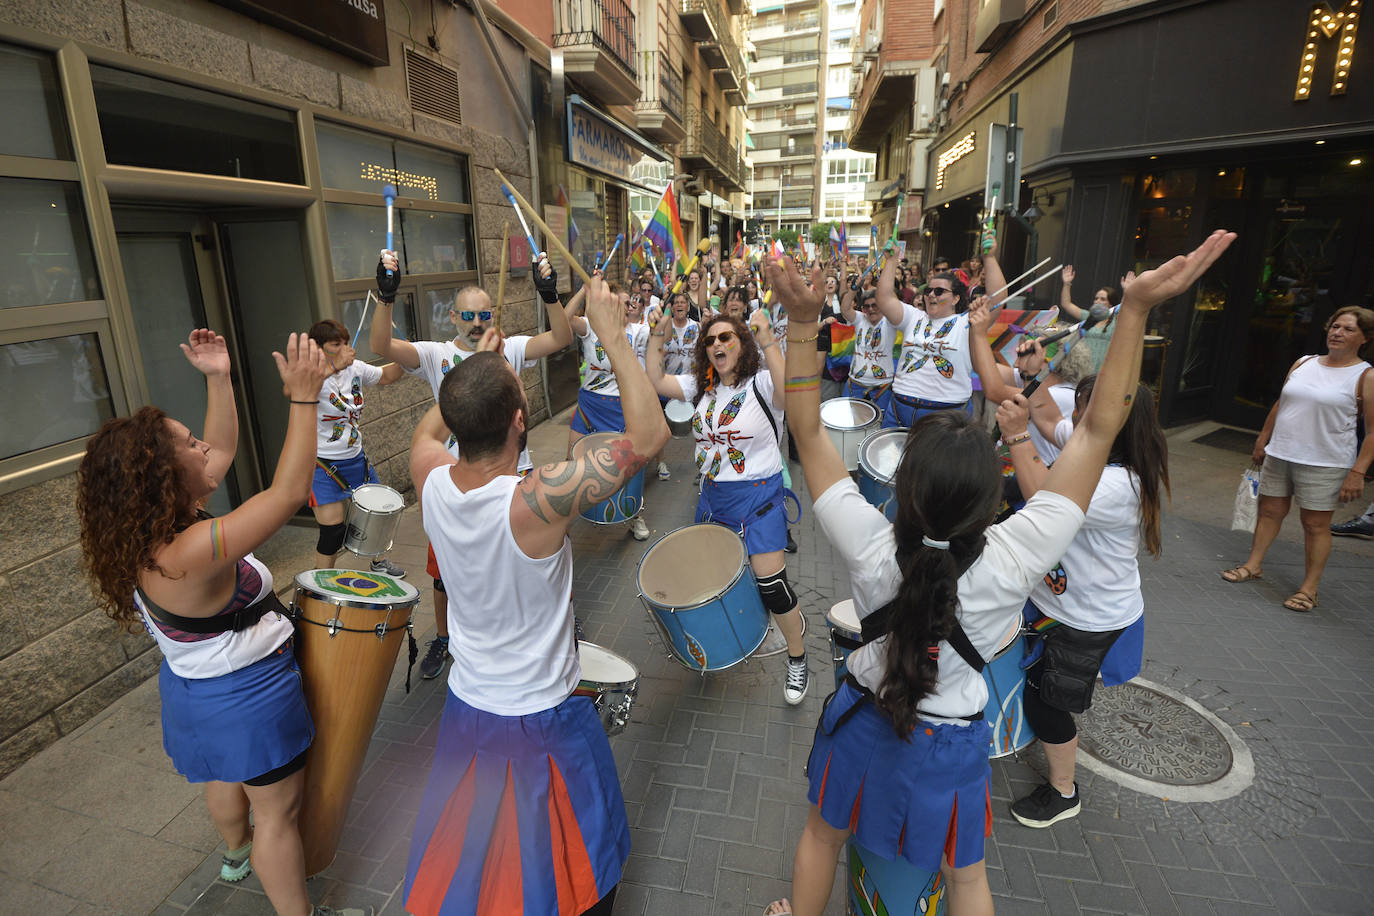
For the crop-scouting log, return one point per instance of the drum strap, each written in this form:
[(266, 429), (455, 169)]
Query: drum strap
[(879, 624), (237, 621), (772, 423)]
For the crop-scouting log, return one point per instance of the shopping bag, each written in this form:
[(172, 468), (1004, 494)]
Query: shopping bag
[(1247, 501)]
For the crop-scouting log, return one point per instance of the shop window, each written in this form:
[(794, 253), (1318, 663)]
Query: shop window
[(356, 234), (1177, 183), (436, 305), (438, 243), (32, 102), (158, 124), (45, 250), (426, 242), (1228, 184), (402, 317), (449, 172), (354, 160), (56, 391)]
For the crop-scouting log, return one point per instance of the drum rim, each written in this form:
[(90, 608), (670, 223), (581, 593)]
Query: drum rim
[(353, 498), (581, 643), (739, 573), (867, 466), (844, 627), (354, 600), (690, 410), (868, 405)]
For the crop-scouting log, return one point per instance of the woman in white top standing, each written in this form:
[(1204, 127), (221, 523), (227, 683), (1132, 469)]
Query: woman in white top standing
[(1307, 447), (933, 371), (872, 368), (900, 752)]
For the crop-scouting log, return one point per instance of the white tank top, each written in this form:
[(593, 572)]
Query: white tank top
[(510, 619), (1316, 421), (195, 656)]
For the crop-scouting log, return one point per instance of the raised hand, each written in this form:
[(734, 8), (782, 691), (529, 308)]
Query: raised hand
[(1068, 274), (387, 284), (492, 340), (980, 316), (653, 317), (1177, 274), (207, 351), (760, 324), (604, 313), (803, 302), (303, 369), (1030, 358), (1013, 415), (1127, 280)]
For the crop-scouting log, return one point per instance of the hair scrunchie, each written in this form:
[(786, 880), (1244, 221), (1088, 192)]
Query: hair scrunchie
[(932, 542)]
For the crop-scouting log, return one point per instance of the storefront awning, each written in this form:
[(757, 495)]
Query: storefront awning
[(599, 143)]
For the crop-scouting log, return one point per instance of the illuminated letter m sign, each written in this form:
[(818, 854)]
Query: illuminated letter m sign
[(1340, 25)]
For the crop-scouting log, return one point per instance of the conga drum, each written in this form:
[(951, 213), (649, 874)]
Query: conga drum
[(879, 886), (349, 630)]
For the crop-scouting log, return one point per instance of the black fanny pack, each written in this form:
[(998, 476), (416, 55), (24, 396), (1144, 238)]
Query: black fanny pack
[(236, 621)]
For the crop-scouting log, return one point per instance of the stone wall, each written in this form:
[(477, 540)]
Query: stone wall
[(61, 659)]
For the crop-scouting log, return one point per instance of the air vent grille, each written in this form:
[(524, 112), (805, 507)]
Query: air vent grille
[(433, 87)]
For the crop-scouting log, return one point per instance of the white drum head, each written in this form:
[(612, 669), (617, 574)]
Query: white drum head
[(847, 413), (678, 411), (378, 497), (881, 453), (843, 616), (691, 565), (602, 666)]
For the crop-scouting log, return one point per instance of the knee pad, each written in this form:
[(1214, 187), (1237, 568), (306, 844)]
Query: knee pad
[(331, 539), (1053, 726), (778, 595)]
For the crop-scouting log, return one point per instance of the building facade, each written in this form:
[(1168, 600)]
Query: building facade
[(1137, 143), (786, 108), (221, 163), (845, 172)]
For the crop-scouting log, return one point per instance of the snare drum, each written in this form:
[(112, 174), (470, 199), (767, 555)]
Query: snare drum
[(350, 626), (849, 421), (374, 514), (625, 503), (879, 886), (845, 636), (1005, 713), (679, 416), (699, 590), (611, 681), (879, 456)]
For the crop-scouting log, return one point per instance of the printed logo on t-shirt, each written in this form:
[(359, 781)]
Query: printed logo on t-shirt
[(1057, 579), (931, 347)]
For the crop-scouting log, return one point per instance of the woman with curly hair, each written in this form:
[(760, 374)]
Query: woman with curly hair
[(900, 755), (233, 713), (737, 390)]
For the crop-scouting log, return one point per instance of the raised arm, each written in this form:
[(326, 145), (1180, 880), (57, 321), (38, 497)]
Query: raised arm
[(993, 278), (995, 378), (560, 333), (1079, 466), (653, 356), (379, 338), (572, 311), (891, 306), (209, 354), (822, 465), (760, 324), (1353, 485), (1066, 306), (1030, 470)]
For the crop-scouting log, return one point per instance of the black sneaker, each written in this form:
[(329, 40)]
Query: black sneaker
[(1359, 527), (1045, 806), (791, 544), (436, 656)]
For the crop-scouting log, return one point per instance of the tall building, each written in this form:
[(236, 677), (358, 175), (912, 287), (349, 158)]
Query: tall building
[(785, 109), (845, 171)]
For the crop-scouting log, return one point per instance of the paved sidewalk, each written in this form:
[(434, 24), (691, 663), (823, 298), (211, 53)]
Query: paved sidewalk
[(712, 767)]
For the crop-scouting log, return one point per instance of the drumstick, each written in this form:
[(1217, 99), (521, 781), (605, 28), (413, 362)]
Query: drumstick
[(549, 235), (1032, 283), (620, 237), (363, 320), (702, 247), (1018, 279), (501, 278), (389, 194)]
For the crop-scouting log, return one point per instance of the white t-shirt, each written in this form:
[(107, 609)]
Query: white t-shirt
[(600, 377), (1316, 421), (991, 592), (510, 620), (438, 357), (1096, 585), (934, 364), (1063, 395), (873, 343), (679, 348), (341, 402), (734, 438)]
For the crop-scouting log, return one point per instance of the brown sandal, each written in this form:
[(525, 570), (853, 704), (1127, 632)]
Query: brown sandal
[(1300, 601), (1240, 573)]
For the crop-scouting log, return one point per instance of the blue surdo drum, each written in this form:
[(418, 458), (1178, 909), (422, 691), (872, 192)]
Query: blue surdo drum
[(879, 455)]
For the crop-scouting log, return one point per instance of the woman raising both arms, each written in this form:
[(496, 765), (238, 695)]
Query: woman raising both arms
[(901, 749)]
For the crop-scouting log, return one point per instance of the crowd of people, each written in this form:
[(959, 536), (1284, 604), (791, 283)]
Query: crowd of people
[(1035, 529)]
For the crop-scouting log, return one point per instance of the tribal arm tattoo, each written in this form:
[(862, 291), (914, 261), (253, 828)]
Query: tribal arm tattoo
[(557, 492)]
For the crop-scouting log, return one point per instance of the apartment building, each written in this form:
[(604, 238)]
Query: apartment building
[(1146, 125), (845, 172), (786, 109)]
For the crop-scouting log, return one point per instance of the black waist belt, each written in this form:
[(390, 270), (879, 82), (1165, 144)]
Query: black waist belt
[(866, 696), (237, 621)]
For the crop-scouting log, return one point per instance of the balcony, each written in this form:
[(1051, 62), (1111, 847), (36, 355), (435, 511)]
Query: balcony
[(598, 42), (789, 28), (658, 113), (702, 19), (729, 73), (705, 147)]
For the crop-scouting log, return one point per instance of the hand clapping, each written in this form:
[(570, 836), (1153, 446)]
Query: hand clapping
[(207, 351), (303, 369)]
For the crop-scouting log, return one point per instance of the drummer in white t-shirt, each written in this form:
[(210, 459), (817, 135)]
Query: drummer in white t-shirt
[(872, 367), (340, 464), (472, 314), (900, 754)]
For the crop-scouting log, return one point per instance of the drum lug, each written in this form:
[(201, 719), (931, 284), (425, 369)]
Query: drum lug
[(381, 630), (333, 625)]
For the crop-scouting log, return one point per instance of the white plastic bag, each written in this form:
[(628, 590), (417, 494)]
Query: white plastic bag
[(1247, 501)]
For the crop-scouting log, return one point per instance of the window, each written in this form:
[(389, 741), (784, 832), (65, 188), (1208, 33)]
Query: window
[(853, 170), (57, 391), (45, 250), (846, 208), (34, 125)]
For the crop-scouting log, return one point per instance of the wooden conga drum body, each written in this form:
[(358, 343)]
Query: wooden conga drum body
[(349, 630)]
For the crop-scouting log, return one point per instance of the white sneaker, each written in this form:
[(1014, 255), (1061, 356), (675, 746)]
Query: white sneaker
[(798, 679), (663, 472), (638, 529)]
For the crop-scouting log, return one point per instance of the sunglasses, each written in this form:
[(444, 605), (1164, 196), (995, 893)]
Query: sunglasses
[(723, 337), (938, 291), (468, 315)]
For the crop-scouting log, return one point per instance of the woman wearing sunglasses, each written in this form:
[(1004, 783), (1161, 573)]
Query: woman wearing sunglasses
[(933, 371), (737, 390), (871, 369)]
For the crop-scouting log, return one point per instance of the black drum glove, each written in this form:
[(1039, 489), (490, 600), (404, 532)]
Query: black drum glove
[(547, 286), (387, 285)]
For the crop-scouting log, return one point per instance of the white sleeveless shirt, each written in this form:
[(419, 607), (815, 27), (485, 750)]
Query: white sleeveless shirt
[(510, 619), (1316, 421)]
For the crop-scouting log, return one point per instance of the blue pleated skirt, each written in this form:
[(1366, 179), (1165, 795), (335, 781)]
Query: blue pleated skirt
[(239, 725), (918, 800)]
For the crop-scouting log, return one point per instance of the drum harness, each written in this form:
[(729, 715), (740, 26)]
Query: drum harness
[(237, 621)]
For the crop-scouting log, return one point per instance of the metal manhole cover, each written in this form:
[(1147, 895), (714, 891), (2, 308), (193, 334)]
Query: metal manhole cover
[(1145, 733)]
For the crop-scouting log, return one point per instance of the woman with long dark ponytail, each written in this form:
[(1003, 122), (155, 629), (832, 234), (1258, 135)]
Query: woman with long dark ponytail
[(900, 756)]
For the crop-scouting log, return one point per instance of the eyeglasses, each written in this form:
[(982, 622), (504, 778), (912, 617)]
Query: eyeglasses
[(468, 315), (723, 337), (938, 291)]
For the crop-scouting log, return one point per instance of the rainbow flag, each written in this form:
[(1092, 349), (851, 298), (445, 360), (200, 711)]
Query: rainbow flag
[(561, 199), (779, 250), (637, 258), (844, 240), (841, 346), (1009, 325), (738, 250), (665, 229)]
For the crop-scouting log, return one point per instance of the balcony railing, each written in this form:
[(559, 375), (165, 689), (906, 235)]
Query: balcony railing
[(607, 24), (660, 84), (730, 73), (702, 19), (800, 89), (704, 142)]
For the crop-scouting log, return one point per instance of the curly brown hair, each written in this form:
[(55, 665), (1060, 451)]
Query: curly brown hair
[(749, 361), (131, 500)]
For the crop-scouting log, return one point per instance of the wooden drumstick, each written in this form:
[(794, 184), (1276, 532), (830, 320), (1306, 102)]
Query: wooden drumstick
[(501, 278), (550, 237)]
